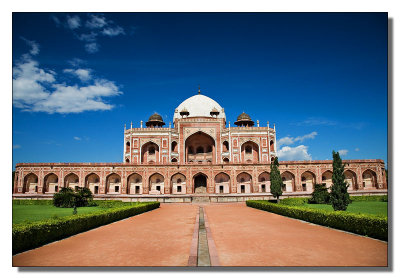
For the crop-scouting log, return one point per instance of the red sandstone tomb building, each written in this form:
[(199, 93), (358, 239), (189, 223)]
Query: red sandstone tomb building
[(200, 156)]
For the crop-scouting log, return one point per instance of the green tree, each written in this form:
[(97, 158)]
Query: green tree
[(276, 180), (320, 194), (339, 197)]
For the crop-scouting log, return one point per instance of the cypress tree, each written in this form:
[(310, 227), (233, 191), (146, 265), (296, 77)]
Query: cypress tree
[(276, 180), (339, 196)]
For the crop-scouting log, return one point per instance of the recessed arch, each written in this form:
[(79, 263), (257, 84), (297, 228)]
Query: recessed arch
[(178, 183), (308, 179), (113, 183), (30, 183), (225, 146), (222, 183), (369, 179), (200, 147), (250, 152), (128, 147), (150, 152), (200, 183), (288, 182), (225, 160), (135, 184), (264, 182), (174, 146), (351, 179), (327, 178), (156, 183), (50, 183), (244, 183), (92, 181), (71, 180)]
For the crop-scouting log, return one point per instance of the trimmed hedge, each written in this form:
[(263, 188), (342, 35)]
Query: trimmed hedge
[(32, 202), (294, 201), (29, 236), (369, 198), (368, 225)]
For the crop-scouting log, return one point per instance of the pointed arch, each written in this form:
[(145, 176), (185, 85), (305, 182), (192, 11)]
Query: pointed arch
[(113, 183), (327, 178), (150, 152), (222, 183), (30, 183), (135, 184), (369, 179), (244, 183), (308, 180), (250, 152), (71, 180), (288, 181), (50, 183), (264, 182), (156, 183), (200, 183), (351, 179), (178, 183), (92, 181)]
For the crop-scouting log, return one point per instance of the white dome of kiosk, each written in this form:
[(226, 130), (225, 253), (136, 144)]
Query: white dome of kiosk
[(199, 105)]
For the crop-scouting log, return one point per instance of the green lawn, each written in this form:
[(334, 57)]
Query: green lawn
[(367, 207), (31, 213)]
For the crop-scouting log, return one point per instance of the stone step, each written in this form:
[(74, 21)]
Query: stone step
[(200, 199)]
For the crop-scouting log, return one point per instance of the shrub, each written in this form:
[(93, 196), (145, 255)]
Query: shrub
[(32, 202), (320, 194), (368, 225), (29, 236), (66, 197)]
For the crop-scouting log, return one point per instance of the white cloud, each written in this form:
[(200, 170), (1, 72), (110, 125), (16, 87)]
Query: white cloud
[(357, 149), (315, 121), (76, 62), (96, 21), (113, 31), (16, 146), (73, 22), (35, 89), (308, 136), (34, 46), (77, 138), (343, 152), (82, 74), (88, 37), (291, 140), (92, 47), (288, 153)]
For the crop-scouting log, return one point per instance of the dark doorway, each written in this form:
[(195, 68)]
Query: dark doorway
[(200, 183), (137, 190), (263, 188), (96, 189), (221, 189), (242, 189)]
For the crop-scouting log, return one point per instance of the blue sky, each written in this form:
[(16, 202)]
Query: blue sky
[(79, 77)]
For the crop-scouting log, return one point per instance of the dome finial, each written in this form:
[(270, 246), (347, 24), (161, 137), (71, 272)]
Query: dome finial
[(199, 90)]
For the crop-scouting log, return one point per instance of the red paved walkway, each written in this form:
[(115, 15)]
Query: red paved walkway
[(243, 236), (246, 236), (161, 237)]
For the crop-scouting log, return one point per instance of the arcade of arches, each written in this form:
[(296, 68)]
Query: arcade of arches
[(182, 182)]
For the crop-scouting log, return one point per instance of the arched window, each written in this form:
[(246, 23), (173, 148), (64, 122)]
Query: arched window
[(128, 146), (174, 160), (179, 181), (200, 149), (127, 160), (226, 160), (174, 146), (225, 146), (271, 145), (303, 178), (248, 149), (152, 150)]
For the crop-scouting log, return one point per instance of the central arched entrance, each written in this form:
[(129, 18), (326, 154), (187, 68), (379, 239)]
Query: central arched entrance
[(200, 183)]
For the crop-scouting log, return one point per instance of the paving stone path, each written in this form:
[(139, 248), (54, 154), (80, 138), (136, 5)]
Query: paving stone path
[(236, 235), (247, 236)]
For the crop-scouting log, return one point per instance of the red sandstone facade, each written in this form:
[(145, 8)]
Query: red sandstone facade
[(198, 156)]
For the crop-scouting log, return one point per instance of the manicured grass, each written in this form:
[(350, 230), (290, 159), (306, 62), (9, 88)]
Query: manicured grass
[(366, 207), (32, 213)]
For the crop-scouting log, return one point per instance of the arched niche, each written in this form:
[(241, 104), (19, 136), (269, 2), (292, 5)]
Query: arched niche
[(156, 184), (50, 183), (244, 183), (264, 182), (135, 184), (222, 183), (178, 184), (92, 181), (200, 147), (113, 184), (250, 152)]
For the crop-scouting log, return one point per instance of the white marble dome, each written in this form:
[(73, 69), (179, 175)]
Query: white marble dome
[(199, 105)]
